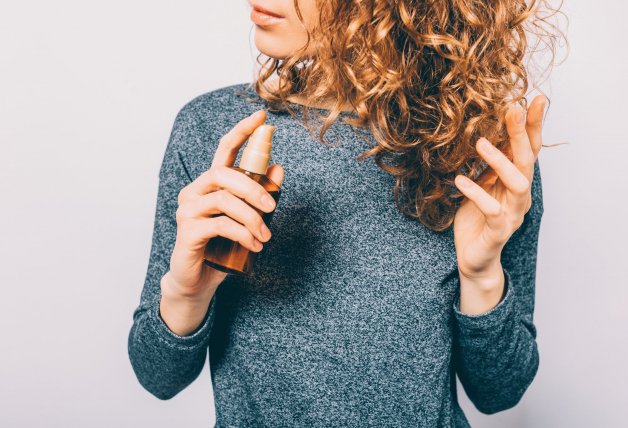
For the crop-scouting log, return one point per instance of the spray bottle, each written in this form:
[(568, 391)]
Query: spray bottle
[(222, 253)]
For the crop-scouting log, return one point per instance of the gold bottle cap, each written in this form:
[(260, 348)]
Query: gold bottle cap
[(256, 154)]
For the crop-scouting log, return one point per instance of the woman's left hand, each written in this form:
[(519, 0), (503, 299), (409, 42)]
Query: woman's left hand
[(494, 210)]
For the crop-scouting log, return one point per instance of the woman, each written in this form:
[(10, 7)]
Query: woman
[(385, 276)]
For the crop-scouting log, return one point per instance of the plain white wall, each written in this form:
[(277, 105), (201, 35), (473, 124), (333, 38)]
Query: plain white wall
[(88, 95)]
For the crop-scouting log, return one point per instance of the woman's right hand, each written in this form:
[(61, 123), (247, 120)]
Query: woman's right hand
[(199, 216)]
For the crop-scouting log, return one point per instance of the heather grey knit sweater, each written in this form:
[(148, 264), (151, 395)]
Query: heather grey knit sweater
[(351, 316)]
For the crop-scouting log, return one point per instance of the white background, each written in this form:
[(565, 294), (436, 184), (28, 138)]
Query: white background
[(88, 95)]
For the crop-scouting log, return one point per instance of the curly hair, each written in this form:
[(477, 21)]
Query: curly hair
[(426, 77)]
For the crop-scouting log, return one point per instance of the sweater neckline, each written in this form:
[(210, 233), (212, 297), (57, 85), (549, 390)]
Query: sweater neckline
[(299, 108)]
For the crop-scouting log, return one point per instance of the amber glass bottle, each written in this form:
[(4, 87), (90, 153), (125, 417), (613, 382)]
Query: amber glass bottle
[(222, 253)]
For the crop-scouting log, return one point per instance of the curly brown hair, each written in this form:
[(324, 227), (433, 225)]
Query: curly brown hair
[(426, 77)]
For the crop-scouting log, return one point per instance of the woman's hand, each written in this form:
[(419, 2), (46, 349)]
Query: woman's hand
[(190, 284), (494, 210)]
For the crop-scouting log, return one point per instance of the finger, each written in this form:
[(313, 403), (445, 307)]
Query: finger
[(224, 177), (276, 173), (198, 232), (224, 202), (516, 183), (522, 154), (227, 150), (534, 123), (488, 205)]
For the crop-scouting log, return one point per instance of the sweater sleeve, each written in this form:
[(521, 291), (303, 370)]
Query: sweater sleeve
[(495, 353), (164, 362)]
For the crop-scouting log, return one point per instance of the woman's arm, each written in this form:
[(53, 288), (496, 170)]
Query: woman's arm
[(495, 353), (164, 362)]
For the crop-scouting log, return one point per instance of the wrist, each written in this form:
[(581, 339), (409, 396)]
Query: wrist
[(487, 280), (483, 291), (182, 313), (192, 296)]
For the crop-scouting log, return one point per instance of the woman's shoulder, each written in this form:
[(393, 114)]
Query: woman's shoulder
[(208, 116), (202, 121), (226, 103)]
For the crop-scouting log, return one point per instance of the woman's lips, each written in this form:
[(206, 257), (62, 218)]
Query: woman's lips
[(264, 18)]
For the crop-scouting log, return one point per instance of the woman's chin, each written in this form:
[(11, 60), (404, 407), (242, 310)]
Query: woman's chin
[(270, 46), (277, 46)]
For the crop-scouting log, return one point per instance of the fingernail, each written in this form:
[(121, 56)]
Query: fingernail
[(264, 232), (268, 201), (463, 182), (485, 144)]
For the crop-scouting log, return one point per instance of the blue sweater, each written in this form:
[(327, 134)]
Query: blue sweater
[(351, 315)]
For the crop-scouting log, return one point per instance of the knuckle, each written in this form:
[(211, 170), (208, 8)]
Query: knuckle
[(182, 213), (495, 212), (519, 190), (220, 223), (219, 172), (215, 227), (221, 198), (179, 215), (185, 234), (183, 195), (216, 173), (216, 176), (209, 173), (206, 175)]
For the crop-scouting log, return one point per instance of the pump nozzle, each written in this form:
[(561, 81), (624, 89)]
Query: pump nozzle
[(256, 155)]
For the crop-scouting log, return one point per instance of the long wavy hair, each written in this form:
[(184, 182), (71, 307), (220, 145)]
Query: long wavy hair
[(426, 77)]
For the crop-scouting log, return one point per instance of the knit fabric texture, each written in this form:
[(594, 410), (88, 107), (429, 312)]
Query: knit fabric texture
[(351, 315)]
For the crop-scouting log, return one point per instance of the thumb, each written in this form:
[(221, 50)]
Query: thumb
[(276, 173), (232, 141)]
